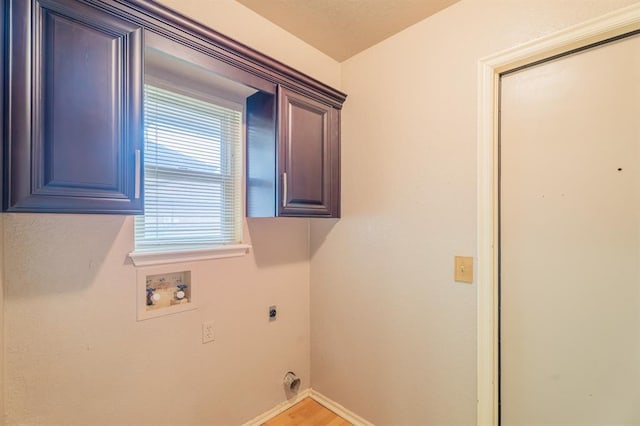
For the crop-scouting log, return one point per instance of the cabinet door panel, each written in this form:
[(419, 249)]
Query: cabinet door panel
[(75, 149), (82, 114), (306, 156), (305, 143)]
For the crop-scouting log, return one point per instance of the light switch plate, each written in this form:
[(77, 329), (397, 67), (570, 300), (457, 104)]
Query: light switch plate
[(463, 269)]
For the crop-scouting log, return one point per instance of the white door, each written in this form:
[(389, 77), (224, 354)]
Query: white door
[(570, 240)]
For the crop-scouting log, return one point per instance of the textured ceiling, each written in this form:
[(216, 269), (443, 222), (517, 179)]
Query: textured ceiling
[(342, 28)]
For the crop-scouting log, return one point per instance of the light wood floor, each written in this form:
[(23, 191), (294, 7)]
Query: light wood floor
[(308, 413)]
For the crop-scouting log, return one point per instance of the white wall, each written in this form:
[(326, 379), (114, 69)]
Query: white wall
[(75, 353), (393, 337)]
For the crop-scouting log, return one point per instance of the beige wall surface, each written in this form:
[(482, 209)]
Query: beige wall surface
[(75, 353), (393, 337)]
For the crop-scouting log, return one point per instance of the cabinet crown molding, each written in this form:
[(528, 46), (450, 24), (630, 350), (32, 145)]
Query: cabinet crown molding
[(159, 18)]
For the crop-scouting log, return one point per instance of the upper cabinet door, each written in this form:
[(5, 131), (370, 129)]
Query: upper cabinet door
[(74, 109), (309, 157)]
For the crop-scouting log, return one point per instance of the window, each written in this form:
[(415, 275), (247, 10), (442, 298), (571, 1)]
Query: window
[(193, 157), (193, 171)]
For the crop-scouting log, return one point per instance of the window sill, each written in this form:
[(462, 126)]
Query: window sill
[(149, 258)]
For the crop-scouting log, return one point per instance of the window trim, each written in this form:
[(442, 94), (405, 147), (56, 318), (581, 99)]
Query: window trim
[(149, 258)]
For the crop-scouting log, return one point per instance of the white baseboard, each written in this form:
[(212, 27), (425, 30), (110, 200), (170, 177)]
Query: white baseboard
[(320, 399), (279, 408), (346, 414)]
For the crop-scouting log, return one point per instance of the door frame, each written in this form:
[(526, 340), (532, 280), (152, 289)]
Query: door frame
[(490, 68)]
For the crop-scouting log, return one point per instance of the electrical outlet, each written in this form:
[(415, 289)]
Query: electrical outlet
[(273, 313), (207, 332)]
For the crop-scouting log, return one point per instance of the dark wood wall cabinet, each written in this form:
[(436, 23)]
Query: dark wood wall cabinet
[(293, 169), (309, 151), (73, 109), (72, 121)]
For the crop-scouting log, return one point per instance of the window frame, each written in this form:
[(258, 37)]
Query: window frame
[(161, 254)]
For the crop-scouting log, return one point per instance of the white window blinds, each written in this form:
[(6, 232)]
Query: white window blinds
[(193, 172)]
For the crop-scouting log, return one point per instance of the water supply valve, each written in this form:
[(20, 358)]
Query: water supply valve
[(152, 296), (180, 293)]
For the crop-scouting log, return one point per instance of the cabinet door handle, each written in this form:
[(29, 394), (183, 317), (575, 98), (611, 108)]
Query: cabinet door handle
[(284, 189), (137, 172)]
